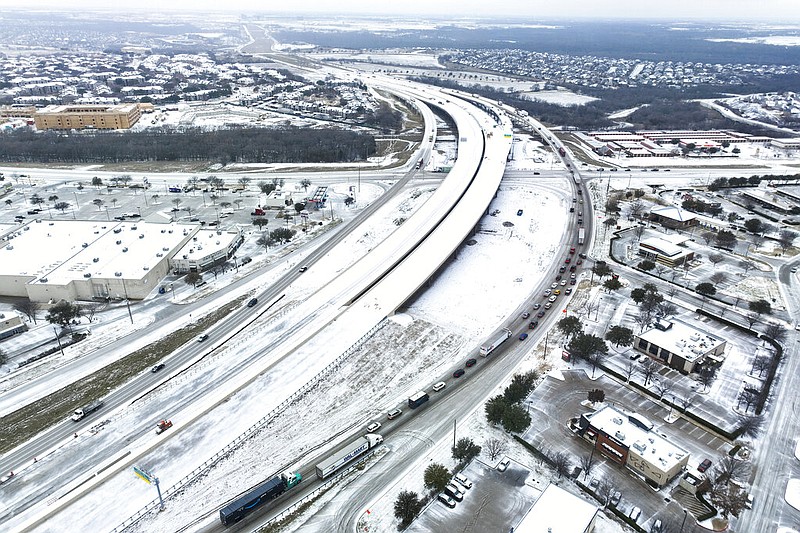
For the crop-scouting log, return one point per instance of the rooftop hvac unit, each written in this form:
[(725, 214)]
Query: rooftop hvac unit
[(141, 236), (96, 260), (43, 280), (118, 274), (87, 275), (125, 249), (85, 245), (119, 242), (9, 247)]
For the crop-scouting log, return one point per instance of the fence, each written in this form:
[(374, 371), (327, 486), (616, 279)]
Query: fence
[(252, 430)]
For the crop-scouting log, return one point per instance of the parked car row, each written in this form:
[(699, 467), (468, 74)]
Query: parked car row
[(455, 490)]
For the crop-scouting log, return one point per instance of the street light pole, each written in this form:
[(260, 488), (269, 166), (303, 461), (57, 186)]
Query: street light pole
[(685, 513), (127, 301), (59, 340)]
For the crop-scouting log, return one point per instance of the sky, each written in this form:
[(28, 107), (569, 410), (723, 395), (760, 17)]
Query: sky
[(722, 10)]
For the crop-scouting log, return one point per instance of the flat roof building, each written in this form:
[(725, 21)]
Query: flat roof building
[(558, 511), (673, 217), (629, 440), (665, 251), (680, 346), (104, 117), (206, 249)]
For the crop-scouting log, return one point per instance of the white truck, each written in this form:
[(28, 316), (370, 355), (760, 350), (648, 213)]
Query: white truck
[(495, 341), (581, 235), (353, 450), (83, 411)]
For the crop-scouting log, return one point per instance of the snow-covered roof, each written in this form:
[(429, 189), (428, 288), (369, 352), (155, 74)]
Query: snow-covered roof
[(662, 246), (557, 511), (681, 339), (628, 430), (674, 213), (206, 243)]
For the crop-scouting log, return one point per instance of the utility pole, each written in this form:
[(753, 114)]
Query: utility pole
[(454, 433), (59, 340)]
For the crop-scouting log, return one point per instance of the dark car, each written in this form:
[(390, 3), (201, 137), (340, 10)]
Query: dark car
[(157, 367), (458, 373), (572, 281), (523, 336), (471, 362), (519, 212), (567, 260), (540, 314), (703, 466), (252, 302), (582, 256), (558, 277), (562, 269), (303, 268), (573, 268), (533, 324)]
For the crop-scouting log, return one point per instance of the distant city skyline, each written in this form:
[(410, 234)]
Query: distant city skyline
[(779, 11)]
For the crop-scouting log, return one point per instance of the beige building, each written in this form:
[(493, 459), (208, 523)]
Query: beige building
[(680, 346), (66, 117)]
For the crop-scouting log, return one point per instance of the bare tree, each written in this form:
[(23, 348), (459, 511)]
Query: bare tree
[(27, 308), (666, 309), (728, 498), (629, 369), (718, 277), (687, 402), (660, 269), (604, 491), (750, 426), (586, 463), (561, 463), (728, 469), (708, 236), (751, 318), (775, 332), (746, 265), (662, 386), (88, 310), (643, 319), (495, 448), (757, 239), (786, 238), (672, 290), (648, 370), (716, 258), (760, 364), (748, 396)]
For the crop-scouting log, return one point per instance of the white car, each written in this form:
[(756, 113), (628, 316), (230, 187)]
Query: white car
[(453, 491), (563, 282), (372, 428), (463, 481), (439, 386), (447, 500), (503, 465), (554, 285)]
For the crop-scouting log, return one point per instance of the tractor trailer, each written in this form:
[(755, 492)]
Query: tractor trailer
[(581, 235), (353, 450), (83, 411), (263, 493), (498, 339)]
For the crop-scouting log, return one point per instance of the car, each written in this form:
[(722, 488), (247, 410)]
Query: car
[(635, 513), (372, 428), (447, 500), (574, 200), (572, 250), (33, 212), (567, 260), (202, 337), (439, 386), (794, 270), (537, 305), (548, 292), (532, 324), (523, 336), (458, 373), (562, 269), (615, 499), (558, 278), (550, 300), (580, 213), (463, 481), (563, 282), (580, 221), (571, 209), (157, 367), (573, 268), (200, 283), (573, 281), (557, 292), (572, 276), (453, 491), (704, 465), (519, 212), (526, 315), (554, 286), (503, 465), (471, 362), (540, 314), (252, 302), (579, 262), (548, 305), (582, 256), (394, 413), (303, 269), (627, 170), (749, 503)]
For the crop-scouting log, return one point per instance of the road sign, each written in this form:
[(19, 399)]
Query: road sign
[(143, 474)]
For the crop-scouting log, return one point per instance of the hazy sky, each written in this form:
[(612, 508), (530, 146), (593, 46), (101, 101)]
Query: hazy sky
[(786, 11)]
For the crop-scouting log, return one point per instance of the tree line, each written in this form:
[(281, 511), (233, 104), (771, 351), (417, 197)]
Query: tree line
[(235, 145)]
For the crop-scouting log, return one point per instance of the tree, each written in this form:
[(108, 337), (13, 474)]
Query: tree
[(760, 307), (629, 369), (225, 205), (27, 308), (243, 181), (729, 499), (718, 277), (786, 238), (35, 199), (708, 236), (604, 491), (751, 318), (753, 225), (9, 202), (63, 313), (238, 203), (407, 507), (601, 269), (775, 332), (264, 240), (3, 358), (53, 198), (520, 386), (647, 297), (662, 386), (266, 188), (495, 408), (687, 402), (192, 278), (750, 426), (155, 198), (584, 346), (620, 336), (648, 370), (729, 468), (114, 202), (726, 239), (745, 265), (98, 202), (596, 395), (62, 206), (515, 419), (436, 477), (706, 376), (561, 463), (281, 235), (646, 265), (299, 206), (570, 325), (643, 319), (305, 183), (213, 197), (760, 364), (716, 258), (349, 201), (612, 284), (465, 450), (667, 309), (260, 222), (705, 289), (586, 463), (494, 448), (177, 202), (97, 182)]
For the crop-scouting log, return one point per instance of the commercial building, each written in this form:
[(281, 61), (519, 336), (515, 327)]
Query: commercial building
[(11, 325), (66, 117), (628, 439), (666, 250), (680, 346), (673, 217), (47, 261), (558, 511), (205, 249)]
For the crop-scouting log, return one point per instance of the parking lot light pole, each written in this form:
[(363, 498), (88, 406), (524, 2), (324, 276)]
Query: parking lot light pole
[(685, 513)]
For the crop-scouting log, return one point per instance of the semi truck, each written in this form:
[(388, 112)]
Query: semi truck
[(498, 339), (581, 235), (83, 411), (263, 493), (350, 452), (418, 399)]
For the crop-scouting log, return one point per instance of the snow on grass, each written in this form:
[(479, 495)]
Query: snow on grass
[(758, 288), (562, 97)]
